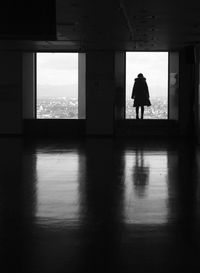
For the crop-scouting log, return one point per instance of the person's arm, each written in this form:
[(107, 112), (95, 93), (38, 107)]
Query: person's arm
[(147, 90)]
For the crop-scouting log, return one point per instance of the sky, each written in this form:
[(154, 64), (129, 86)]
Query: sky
[(57, 73), (154, 67)]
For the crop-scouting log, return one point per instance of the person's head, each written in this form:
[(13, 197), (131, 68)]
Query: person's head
[(140, 75)]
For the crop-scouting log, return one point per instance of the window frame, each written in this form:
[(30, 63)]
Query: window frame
[(36, 93)]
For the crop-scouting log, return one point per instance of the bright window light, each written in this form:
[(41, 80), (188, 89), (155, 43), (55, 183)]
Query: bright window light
[(154, 67), (57, 85)]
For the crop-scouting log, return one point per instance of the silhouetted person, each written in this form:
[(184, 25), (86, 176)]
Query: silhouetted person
[(140, 174), (140, 94)]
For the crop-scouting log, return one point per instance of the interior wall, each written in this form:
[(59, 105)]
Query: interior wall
[(105, 91), (10, 93)]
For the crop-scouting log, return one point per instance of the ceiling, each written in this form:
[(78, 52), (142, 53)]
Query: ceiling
[(148, 25), (128, 24)]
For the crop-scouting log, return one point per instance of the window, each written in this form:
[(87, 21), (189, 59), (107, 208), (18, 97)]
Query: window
[(154, 67), (57, 85)]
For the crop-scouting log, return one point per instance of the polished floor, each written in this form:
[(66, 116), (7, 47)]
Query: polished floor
[(99, 205)]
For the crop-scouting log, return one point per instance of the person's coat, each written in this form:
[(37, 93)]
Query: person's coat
[(140, 92)]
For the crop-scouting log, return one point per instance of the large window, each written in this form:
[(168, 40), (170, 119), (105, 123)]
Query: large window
[(57, 85), (154, 67)]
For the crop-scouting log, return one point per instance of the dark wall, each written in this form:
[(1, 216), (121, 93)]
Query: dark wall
[(10, 93), (35, 20)]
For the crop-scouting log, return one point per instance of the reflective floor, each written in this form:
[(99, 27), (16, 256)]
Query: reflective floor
[(99, 205)]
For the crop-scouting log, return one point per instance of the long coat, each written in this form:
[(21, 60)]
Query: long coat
[(140, 93)]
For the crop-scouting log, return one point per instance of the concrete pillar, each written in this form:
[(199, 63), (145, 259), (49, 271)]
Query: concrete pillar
[(120, 85), (187, 92), (10, 93), (100, 75)]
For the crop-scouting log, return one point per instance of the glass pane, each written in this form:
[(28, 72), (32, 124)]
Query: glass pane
[(154, 67), (57, 85)]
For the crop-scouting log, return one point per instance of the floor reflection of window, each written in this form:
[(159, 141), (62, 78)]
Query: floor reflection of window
[(146, 187), (57, 186), (140, 174)]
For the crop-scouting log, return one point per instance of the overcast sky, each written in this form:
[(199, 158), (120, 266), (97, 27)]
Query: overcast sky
[(57, 68), (61, 70), (153, 65)]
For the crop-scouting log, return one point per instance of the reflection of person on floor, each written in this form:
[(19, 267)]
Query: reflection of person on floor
[(140, 94), (140, 174)]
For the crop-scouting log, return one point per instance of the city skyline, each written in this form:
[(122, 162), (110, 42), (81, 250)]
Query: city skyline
[(65, 108), (68, 91)]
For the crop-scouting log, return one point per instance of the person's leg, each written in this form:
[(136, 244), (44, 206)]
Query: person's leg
[(137, 112), (142, 112)]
